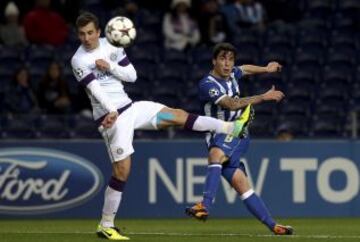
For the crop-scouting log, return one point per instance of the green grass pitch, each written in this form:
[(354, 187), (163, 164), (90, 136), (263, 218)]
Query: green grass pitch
[(173, 230)]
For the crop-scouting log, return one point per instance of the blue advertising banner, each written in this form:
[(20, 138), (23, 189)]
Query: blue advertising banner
[(58, 179)]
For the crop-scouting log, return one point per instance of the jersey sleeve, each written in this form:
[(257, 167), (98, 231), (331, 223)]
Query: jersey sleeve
[(86, 78), (82, 73), (122, 68), (210, 91), (237, 72)]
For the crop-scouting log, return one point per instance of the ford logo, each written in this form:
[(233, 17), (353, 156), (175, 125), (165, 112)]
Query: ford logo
[(36, 180)]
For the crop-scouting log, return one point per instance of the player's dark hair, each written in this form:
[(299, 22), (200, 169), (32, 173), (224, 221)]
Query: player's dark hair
[(85, 18), (223, 47)]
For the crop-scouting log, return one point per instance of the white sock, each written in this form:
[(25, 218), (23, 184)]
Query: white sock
[(111, 204), (204, 123)]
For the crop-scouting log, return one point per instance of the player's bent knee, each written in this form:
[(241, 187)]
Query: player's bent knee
[(216, 156), (171, 116)]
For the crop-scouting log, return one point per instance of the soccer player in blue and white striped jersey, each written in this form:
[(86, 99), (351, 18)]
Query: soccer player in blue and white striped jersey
[(220, 94)]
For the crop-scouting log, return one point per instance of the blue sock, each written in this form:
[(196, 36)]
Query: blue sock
[(257, 207), (211, 184)]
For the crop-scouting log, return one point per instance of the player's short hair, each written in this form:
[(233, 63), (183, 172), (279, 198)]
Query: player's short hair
[(85, 18), (223, 47)]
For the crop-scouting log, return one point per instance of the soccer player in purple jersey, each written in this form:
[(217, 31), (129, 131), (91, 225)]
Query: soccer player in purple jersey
[(219, 93), (103, 69)]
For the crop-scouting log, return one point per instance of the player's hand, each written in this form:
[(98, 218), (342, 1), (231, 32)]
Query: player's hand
[(102, 65), (273, 66), (273, 95), (109, 120)]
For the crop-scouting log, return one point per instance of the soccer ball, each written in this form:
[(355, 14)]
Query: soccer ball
[(120, 31)]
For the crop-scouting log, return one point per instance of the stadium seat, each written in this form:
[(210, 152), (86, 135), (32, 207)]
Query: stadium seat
[(266, 108), (18, 126), (320, 8), (296, 108), (302, 76), (279, 54), (309, 58), (82, 127), (41, 55), (147, 37), (298, 125), (51, 126), (11, 58), (349, 7), (326, 128), (262, 126), (174, 57), (299, 92)]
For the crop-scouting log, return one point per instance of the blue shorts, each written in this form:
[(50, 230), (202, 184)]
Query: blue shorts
[(234, 148)]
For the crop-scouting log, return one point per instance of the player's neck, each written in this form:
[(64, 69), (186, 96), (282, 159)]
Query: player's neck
[(94, 47), (218, 76)]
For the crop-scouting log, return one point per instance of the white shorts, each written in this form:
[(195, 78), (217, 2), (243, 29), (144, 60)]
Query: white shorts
[(119, 138)]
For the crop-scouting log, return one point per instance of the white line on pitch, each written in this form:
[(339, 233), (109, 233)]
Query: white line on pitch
[(203, 235)]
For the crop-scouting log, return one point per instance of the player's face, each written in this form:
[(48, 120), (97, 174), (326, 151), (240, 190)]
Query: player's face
[(89, 36), (224, 63)]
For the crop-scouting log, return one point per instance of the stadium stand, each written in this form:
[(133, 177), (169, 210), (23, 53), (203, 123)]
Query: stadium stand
[(320, 76)]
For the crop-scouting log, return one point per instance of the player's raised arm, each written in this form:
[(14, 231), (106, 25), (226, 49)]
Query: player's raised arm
[(271, 67), (88, 80), (239, 103), (123, 70)]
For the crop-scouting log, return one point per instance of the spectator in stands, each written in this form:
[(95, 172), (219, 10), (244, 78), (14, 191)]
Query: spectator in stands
[(44, 26), (211, 22), (11, 33), (284, 133), (243, 14), (179, 28), (53, 92), (20, 97)]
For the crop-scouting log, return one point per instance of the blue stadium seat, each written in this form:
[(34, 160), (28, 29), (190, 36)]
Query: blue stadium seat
[(296, 108), (336, 76), (339, 39), (320, 8), (299, 92), (201, 55), (11, 58), (327, 127), (265, 109), (18, 127), (147, 37), (262, 126), (298, 125), (305, 57), (302, 76), (41, 56), (247, 55), (280, 54), (333, 92), (171, 71), (349, 7), (82, 127), (174, 57), (51, 126)]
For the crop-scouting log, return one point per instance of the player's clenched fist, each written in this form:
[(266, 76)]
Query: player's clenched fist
[(102, 65), (273, 94), (273, 67), (109, 120)]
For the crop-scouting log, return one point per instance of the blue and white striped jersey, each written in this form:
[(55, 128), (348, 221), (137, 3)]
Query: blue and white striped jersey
[(212, 90)]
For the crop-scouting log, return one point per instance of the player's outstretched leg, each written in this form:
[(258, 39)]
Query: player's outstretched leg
[(168, 117)]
